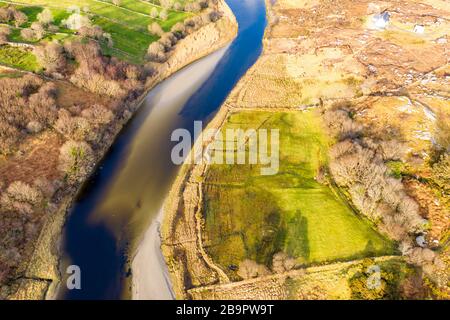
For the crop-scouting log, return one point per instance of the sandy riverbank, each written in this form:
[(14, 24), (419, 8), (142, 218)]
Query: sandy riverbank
[(149, 271)]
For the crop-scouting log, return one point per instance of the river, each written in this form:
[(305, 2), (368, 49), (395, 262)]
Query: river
[(119, 206)]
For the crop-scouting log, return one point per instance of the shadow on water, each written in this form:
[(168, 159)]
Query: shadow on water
[(131, 182)]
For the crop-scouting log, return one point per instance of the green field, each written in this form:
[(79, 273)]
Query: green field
[(18, 58), (127, 24), (253, 216)]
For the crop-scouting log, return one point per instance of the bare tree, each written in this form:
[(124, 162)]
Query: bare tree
[(51, 56), (75, 160), (156, 52), (250, 269), (20, 197), (5, 31), (154, 13), (163, 14), (155, 29), (45, 17), (281, 262)]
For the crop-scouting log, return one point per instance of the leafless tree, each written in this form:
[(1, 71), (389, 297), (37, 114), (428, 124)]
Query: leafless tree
[(51, 56), (75, 160), (250, 269), (281, 262)]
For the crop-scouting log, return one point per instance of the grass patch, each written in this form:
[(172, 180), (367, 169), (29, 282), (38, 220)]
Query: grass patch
[(253, 216), (127, 24), (18, 58)]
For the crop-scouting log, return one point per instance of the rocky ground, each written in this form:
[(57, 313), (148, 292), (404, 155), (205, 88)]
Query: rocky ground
[(394, 71)]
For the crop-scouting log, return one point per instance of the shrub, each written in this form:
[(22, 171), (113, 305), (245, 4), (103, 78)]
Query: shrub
[(166, 3), (155, 29), (357, 163), (51, 56), (11, 14), (74, 128), (441, 173), (156, 52), (99, 74), (28, 34), (39, 31), (19, 18), (192, 7), (250, 269), (75, 160), (45, 17), (163, 15), (76, 21), (179, 30), (154, 13), (23, 101), (20, 197), (5, 31), (393, 150), (281, 262), (97, 115)]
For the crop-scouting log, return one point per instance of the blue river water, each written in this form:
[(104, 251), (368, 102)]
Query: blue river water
[(129, 186)]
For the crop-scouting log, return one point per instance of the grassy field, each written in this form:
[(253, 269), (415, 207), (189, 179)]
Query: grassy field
[(18, 58), (253, 216), (127, 24)]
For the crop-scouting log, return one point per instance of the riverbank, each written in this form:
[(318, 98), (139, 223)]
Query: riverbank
[(188, 264), (42, 274), (148, 270)]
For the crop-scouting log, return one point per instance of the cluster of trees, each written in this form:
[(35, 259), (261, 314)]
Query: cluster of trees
[(22, 208), (159, 14), (51, 56), (27, 105), (97, 33), (249, 269), (158, 51), (358, 164), (37, 30), (10, 14), (104, 75), (86, 125), (193, 6), (34, 33), (281, 263)]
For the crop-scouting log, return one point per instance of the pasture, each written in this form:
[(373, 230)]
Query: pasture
[(251, 216)]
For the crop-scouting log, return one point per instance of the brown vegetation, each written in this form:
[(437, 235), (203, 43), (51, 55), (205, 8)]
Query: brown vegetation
[(104, 75), (51, 57), (10, 14), (358, 165), (159, 51), (27, 105), (5, 31)]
